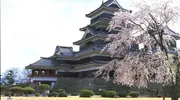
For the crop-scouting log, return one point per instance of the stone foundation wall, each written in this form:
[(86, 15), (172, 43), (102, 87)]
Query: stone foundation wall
[(77, 84)]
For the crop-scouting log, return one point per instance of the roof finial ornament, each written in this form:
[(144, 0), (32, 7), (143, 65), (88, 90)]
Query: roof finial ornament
[(102, 1)]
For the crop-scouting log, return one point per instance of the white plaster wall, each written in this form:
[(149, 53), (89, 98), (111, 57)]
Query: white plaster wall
[(43, 79), (52, 84)]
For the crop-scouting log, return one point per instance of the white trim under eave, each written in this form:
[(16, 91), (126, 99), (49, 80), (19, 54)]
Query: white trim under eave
[(35, 78)]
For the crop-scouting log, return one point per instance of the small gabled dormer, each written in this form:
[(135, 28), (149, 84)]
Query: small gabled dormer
[(63, 51), (89, 32)]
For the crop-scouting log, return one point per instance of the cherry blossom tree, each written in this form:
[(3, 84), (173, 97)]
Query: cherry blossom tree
[(148, 25)]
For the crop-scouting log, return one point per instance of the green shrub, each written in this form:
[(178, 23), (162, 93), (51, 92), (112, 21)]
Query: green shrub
[(44, 87), (60, 90), (122, 94), (28, 90), (103, 93), (49, 95), (4, 89), (53, 94), (52, 91), (97, 93), (86, 93), (111, 94), (37, 94), (23, 85), (62, 94), (134, 94), (8, 93), (179, 95), (74, 94), (17, 90)]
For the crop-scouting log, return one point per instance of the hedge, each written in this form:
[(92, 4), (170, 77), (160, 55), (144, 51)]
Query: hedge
[(44, 87), (179, 95), (8, 93), (53, 94), (4, 89), (74, 94), (86, 93), (60, 90), (97, 93), (111, 94), (62, 94), (104, 94), (102, 91), (37, 94), (28, 90), (122, 94), (134, 94), (17, 90)]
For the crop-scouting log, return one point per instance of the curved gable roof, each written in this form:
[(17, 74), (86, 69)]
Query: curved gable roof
[(108, 6), (64, 51), (111, 2), (89, 31)]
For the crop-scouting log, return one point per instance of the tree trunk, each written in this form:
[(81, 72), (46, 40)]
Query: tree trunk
[(164, 93)]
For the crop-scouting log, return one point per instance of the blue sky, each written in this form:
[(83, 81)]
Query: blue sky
[(32, 28)]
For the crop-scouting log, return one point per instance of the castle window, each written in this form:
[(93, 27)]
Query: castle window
[(36, 72), (50, 72), (43, 72)]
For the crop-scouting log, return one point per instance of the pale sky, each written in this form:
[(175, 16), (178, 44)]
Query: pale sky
[(31, 29)]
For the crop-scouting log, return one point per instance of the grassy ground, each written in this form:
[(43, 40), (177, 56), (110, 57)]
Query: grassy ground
[(78, 98)]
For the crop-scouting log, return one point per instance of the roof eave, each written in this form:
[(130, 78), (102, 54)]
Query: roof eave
[(101, 8), (83, 28), (177, 37), (90, 38)]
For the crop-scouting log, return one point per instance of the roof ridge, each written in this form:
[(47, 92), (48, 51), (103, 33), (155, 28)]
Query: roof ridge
[(64, 46)]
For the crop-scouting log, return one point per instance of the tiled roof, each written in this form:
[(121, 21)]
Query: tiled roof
[(110, 2), (64, 51), (89, 30), (172, 33), (43, 62), (107, 5)]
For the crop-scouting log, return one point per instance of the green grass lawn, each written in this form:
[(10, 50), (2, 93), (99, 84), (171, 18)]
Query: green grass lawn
[(78, 98)]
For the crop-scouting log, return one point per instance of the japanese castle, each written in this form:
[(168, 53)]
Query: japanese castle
[(67, 68)]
